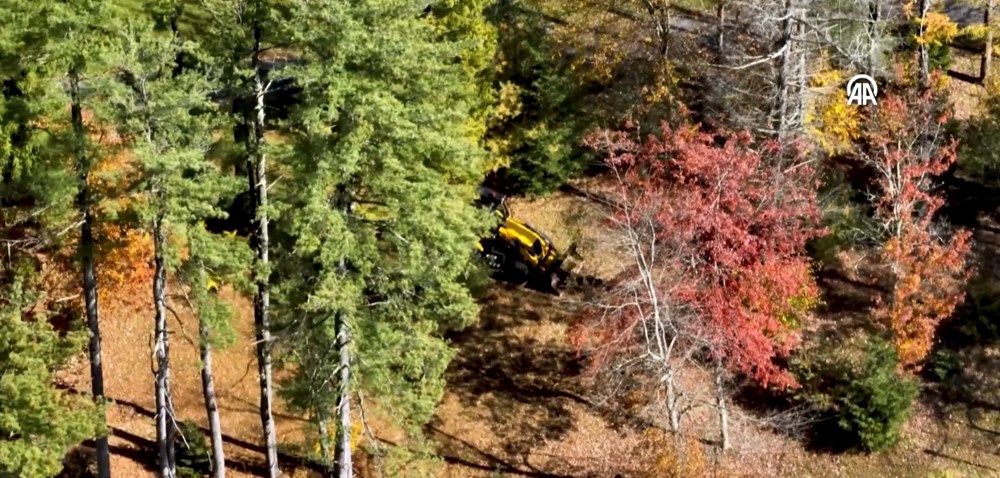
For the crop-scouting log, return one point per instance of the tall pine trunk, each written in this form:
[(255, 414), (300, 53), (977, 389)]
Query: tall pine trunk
[(257, 175), (86, 250), (164, 412), (211, 404), (343, 454)]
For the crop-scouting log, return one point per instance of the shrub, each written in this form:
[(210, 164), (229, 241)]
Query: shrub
[(860, 384), (943, 365), (846, 218), (979, 138), (669, 457), (195, 458)]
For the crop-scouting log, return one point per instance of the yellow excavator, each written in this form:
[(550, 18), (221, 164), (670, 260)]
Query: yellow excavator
[(520, 252)]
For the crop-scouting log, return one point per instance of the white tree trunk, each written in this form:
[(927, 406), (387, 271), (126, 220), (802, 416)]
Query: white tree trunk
[(673, 407), (345, 468), (257, 175), (211, 404), (720, 16), (164, 413)]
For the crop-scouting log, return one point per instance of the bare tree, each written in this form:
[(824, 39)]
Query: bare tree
[(654, 338)]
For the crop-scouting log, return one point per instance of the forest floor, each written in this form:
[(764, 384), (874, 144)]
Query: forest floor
[(519, 402)]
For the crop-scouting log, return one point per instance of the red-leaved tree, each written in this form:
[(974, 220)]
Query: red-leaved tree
[(715, 227), (924, 263)]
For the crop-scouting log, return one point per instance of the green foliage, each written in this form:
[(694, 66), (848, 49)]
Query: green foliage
[(979, 140), (193, 454), (861, 385), (544, 119), (464, 22), (938, 52), (38, 423), (41, 44), (398, 103), (168, 120), (943, 365), (848, 222)]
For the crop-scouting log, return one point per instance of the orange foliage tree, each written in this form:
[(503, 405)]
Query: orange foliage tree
[(925, 266)]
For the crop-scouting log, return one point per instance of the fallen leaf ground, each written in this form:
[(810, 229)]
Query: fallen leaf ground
[(518, 402)]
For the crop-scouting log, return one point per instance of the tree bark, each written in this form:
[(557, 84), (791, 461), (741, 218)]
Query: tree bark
[(673, 407), (324, 443), (925, 71), (211, 405), (257, 175), (720, 16), (721, 405), (987, 60), (659, 12), (784, 70), (874, 16), (164, 412), (343, 454), (89, 276)]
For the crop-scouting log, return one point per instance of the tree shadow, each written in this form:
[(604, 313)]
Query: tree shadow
[(81, 460), (843, 294), (526, 384), (485, 461), (290, 461)]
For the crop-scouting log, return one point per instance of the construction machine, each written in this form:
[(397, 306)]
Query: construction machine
[(521, 253)]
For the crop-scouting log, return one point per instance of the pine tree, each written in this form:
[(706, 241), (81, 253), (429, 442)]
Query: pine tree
[(62, 50), (213, 260), (379, 227), (38, 422), (166, 117), (238, 39)]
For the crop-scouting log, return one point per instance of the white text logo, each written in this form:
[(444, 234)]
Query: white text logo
[(861, 89)]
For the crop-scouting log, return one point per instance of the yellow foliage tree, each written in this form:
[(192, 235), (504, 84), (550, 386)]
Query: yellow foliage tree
[(938, 29), (831, 123)]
